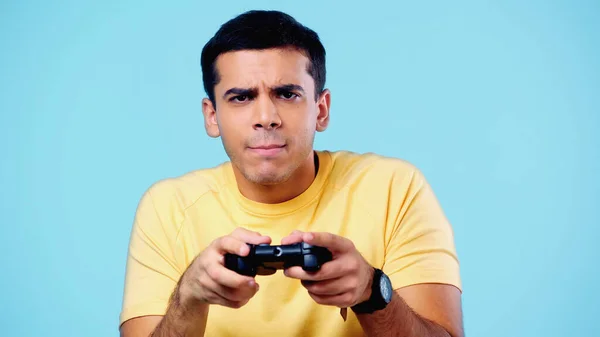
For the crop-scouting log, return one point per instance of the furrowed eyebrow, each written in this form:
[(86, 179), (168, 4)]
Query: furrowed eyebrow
[(288, 87), (252, 92), (241, 92)]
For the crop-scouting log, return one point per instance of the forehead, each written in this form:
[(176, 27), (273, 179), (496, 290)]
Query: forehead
[(255, 68)]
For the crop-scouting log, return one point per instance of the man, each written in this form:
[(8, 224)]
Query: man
[(394, 270)]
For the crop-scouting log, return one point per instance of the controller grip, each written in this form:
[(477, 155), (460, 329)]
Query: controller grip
[(240, 265), (313, 262)]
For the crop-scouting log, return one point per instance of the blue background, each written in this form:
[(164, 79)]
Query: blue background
[(498, 102)]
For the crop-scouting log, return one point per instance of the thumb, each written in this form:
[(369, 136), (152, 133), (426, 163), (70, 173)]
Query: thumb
[(249, 236)]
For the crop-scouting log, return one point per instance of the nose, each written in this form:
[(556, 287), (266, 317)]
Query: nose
[(266, 114)]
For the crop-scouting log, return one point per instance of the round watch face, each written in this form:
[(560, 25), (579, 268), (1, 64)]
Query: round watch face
[(385, 285)]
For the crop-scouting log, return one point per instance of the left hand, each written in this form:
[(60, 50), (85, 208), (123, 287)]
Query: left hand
[(344, 281)]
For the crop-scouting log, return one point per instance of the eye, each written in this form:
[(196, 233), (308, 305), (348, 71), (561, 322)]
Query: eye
[(287, 95), (239, 98)]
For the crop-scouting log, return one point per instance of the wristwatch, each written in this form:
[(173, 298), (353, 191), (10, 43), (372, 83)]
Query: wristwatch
[(381, 294)]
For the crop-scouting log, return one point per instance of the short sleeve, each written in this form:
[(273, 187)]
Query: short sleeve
[(421, 246), (152, 272)]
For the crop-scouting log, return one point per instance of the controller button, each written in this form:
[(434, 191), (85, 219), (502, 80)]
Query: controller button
[(278, 251)]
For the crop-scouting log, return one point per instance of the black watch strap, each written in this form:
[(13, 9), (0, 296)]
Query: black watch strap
[(377, 301)]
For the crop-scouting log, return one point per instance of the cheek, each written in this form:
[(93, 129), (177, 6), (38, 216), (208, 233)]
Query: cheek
[(232, 142), (305, 131), (230, 130), (301, 122), (303, 138)]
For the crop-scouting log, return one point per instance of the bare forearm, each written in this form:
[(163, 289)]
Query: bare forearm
[(183, 318), (398, 319)]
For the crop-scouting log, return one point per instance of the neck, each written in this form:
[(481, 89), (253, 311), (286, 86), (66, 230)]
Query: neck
[(297, 183)]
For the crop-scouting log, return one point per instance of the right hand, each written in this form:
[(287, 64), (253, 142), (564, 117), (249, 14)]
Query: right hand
[(207, 280)]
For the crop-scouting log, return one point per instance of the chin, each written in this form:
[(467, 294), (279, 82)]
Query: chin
[(267, 178)]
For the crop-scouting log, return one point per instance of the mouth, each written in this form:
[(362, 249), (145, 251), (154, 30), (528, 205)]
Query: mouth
[(267, 150)]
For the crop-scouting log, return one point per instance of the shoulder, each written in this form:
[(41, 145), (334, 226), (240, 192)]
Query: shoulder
[(352, 168), (181, 192)]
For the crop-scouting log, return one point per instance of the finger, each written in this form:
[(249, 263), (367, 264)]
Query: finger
[(242, 292), (299, 273), (249, 236), (227, 277), (233, 245), (329, 270), (294, 237), (335, 243), (214, 298), (215, 268), (329, 287)]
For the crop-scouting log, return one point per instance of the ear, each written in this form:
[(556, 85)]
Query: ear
[(210, 118), (323, 105)]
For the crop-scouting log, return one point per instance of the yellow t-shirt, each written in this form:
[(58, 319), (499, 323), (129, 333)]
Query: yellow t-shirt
[(384, 205)]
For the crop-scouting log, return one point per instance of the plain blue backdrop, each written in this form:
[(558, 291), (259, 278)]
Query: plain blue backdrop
[(498, 102)]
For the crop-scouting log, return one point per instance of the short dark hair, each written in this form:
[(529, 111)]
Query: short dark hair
[(259, 30)]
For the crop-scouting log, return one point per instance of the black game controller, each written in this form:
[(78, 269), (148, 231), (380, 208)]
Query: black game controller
[(265, 259)]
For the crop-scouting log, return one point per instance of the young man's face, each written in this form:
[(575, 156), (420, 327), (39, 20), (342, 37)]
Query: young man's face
[(266, 113)]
